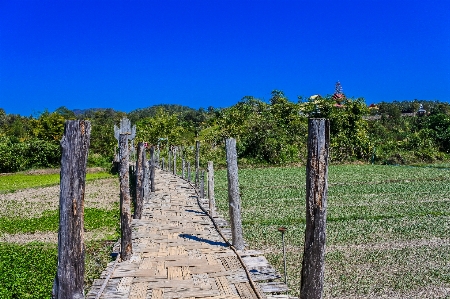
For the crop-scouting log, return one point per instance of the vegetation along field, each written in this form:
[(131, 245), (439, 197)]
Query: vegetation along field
[(388, 227), (28, 230)]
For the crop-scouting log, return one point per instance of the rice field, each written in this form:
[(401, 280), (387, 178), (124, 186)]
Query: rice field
[(388, 227)]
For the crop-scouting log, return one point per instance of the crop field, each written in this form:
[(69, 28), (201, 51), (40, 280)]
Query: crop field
[(28, 230), (388, 227)]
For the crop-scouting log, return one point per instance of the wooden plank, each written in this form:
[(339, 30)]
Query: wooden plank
[(273, 287)]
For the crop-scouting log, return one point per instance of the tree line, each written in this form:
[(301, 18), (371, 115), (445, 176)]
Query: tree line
[(269, 132)]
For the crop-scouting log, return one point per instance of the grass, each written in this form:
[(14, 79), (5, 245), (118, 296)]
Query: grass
[(17, 181), (387, 226), (28, 270)]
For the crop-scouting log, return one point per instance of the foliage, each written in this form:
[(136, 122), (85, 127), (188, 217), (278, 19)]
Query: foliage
[(348, 129), (34, 153), (162, 125), (27, 271), (269, 132)]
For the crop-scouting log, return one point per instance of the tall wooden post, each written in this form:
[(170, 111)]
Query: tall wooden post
[(188, 171), (197, 162), (212, 200), (174, 170), (69, 279), (140, 167), (169, 162), (202, 184), (234, 198), (152, 169), (183, 168), (162, 164), (125, 200), (316, 209)]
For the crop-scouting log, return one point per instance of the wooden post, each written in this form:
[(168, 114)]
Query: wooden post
[(183, 168), (189, 171), (169, 162), (234, 198), (132, 177), (125, 200), (152, 169), (212, 201), (316, 209), (202, 184), (69, 279), (140, 166), (175, 161), (162, 163), (197, 162)]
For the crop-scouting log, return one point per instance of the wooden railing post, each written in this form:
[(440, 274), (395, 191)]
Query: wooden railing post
[(316, 209), (140, 166), (212, 201), (175, 161), (197, 162), (69, 279), (125, 200), (202, 184), (234, 198), (183, 168), (152, 169), (169, 162), (188, 171)]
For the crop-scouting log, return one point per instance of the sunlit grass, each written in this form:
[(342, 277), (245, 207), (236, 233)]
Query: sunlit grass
[(380, 218), (17, 181)]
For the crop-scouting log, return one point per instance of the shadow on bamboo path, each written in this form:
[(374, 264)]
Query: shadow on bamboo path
[(178, 253)]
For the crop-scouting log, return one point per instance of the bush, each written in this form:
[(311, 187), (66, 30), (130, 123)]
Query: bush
[(35, 153)]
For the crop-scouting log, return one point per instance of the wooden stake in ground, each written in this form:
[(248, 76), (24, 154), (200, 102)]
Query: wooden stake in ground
[(188, 171), (125, 200), (234, 198), (316, 209), (197, 162), (69, 280), (212, 201), (152, 169), (140, 166), (183, 168), (174, 170)]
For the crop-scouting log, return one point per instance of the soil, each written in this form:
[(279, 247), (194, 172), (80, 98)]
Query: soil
[(31, 203)]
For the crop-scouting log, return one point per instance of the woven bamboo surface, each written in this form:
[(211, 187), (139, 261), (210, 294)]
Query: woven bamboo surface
[(177, 253)]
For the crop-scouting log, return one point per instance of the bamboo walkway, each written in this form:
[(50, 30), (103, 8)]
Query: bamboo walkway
[(178, 253)]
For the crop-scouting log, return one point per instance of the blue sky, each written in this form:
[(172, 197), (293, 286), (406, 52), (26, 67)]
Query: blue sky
[(134, 54)]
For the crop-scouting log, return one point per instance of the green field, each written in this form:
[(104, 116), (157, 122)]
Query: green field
[(387, 231), (29, 218)]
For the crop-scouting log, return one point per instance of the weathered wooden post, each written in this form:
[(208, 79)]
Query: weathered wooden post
[(183, 168), (316, 209), (189, 171), (169, 162), (234, 198), (197, 162), (212, 201), (140, 167), (125, 200), (202, 184), (132, 177), (175, 160), (162, 163), (69, 279), (152, 169)]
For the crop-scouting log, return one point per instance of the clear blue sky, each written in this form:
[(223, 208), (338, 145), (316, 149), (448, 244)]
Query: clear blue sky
[(134, 54)]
